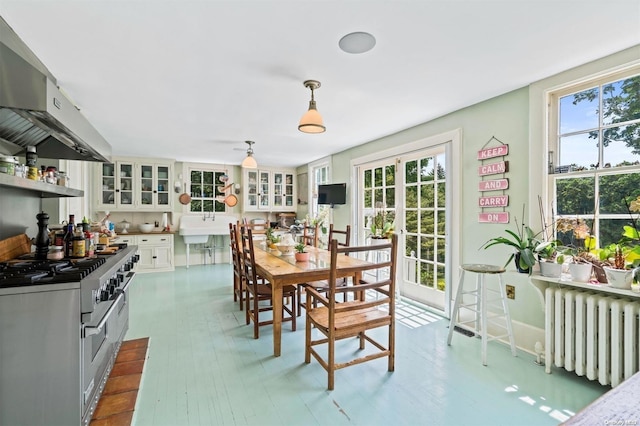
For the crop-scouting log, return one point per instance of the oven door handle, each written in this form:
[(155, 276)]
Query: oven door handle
[(90, 330)]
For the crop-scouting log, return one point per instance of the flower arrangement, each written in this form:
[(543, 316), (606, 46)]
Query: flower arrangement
[(382, 224), (320, 219)]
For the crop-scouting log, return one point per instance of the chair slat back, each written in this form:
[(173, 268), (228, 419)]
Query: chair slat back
[(382, 258), (248, 256), (343, 237), (236, 255), (310, 235)]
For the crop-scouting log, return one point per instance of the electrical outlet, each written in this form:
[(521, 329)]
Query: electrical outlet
[(511, 292)]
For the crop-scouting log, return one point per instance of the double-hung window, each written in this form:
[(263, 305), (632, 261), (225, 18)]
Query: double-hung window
[(594, 156), (206, 190)]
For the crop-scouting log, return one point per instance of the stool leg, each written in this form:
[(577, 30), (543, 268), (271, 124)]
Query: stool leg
[(483, 316), (456, 306), (479, 321), (503, 295)]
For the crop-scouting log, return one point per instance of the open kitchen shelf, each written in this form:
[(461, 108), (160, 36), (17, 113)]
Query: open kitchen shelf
[(46, 190)]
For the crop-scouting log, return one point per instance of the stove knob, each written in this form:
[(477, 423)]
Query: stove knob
[(120, 277), (104, 295), (136, 257), (112, 289), (114, 282)]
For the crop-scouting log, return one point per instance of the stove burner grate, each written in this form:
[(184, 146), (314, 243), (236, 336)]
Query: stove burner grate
[(26, 272)]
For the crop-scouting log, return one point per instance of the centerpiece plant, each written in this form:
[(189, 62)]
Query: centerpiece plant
[(302, 255)]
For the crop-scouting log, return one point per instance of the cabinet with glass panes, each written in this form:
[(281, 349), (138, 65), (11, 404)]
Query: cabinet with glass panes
[(132, 184)]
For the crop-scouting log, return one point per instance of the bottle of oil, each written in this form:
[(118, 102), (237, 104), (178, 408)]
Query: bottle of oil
[(68, 237), (78, 243)]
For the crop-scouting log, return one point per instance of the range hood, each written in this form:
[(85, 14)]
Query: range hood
[(34, 112)]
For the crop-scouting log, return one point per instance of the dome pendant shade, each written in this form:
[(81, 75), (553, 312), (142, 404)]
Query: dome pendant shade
[(311, 121), (249, 162)]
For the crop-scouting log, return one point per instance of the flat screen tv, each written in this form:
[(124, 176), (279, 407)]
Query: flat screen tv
[(332, 194)]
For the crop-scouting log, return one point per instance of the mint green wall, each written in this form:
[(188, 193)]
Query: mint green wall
[(506, 118)]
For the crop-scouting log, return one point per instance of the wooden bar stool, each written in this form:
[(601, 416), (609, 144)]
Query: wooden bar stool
[(482, 300)]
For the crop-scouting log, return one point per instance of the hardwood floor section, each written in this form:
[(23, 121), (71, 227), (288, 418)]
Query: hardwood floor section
[(118, 400)]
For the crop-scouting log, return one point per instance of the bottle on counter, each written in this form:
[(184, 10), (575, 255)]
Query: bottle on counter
[(67, 240), (79, 244)]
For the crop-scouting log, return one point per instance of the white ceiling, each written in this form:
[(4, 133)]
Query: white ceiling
[(191, 80)]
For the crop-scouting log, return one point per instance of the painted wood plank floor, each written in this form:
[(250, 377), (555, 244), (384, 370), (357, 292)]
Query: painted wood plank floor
[(205, 368)]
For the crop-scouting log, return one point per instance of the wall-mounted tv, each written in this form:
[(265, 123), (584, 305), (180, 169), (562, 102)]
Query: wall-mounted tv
[(332, 194)]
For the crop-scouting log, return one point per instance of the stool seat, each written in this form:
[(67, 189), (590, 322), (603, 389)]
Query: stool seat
[(479, 305), (483, 269)]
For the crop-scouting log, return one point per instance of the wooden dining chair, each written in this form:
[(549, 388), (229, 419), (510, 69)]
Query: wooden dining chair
[(336, 321), (310, 235), (344, 238), (258, 290), (236, 258)]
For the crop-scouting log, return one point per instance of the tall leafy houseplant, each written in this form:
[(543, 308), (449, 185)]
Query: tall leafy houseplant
[(524, 243)]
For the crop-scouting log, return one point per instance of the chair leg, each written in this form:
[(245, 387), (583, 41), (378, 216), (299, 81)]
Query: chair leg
[(307, 341), (331, 365), (392, 346), (299, 291), (247, 299), (293, 311)]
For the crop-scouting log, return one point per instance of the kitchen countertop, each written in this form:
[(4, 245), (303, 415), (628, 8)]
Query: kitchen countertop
[(145, 233)]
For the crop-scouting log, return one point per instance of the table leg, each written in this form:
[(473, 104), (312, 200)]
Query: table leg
[(276, 289)]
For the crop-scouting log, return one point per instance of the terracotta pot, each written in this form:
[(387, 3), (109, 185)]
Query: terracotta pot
[(302, 257)]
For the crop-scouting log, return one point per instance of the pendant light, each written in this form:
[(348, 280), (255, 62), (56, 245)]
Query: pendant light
[(249, 162), (311, 121)]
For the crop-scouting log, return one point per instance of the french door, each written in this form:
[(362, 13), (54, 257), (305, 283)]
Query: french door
[(411, 190)]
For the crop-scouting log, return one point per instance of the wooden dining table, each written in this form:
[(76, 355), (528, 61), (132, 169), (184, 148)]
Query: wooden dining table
[(281, 270)]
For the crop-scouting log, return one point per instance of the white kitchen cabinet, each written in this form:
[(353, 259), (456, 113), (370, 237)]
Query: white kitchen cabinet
[(114, 186), (269, 190), (156, 253), (154, 186), (128, 184)]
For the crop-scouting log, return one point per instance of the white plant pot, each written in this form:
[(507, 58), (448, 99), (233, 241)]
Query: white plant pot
[(551, 269), (580, 272), (619, 278)]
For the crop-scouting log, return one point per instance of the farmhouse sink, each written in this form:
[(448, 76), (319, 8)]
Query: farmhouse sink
[(196, 229)]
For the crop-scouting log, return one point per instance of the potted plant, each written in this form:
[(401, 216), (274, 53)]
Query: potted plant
[(302, 255), (382, 223), (579, 247), (550, 258), (524, 244)]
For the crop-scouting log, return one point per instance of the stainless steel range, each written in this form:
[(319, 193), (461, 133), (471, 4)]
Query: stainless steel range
[(61, 327)]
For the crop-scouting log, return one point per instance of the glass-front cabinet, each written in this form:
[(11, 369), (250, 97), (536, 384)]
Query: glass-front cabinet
[(271, 190), (117, 184), (128, 185), (282, 190), (154, 186)]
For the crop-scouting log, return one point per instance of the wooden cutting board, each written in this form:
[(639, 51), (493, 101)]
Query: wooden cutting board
[(13, 247)]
